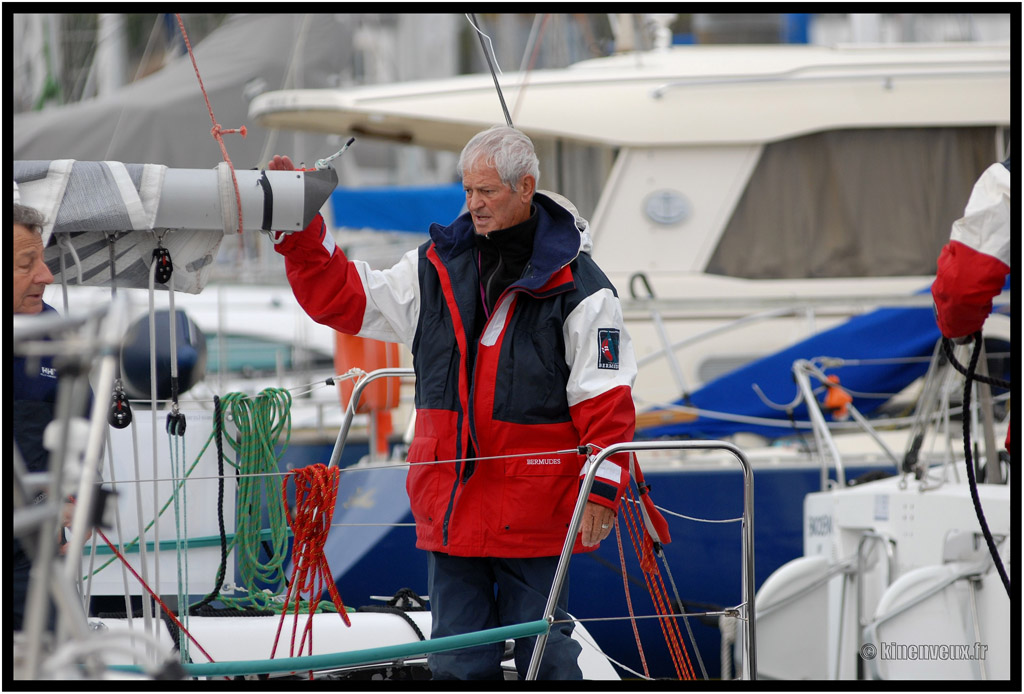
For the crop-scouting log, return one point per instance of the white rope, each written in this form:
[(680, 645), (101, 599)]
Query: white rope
[(490, 45), (727, 626), (691, 518), (176, 443), (147, 602), (62, 244), (117, 527), (299, 390), (153, 408)]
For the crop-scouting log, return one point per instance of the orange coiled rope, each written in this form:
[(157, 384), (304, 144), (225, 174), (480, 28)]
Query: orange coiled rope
[(316, 489), (217, 131), (644, 546)]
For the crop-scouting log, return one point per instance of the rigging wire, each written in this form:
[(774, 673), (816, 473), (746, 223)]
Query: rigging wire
[(143, 61), (533, 45), (167, 610), (490, 64)]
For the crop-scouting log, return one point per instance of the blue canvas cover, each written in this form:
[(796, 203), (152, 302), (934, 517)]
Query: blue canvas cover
[(882, 334), (397, 208)]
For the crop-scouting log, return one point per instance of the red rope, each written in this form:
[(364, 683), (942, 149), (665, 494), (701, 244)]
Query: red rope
[(636, 537), (217, 131), (643, 545), (316, 489), (156, 597), (629, 601)]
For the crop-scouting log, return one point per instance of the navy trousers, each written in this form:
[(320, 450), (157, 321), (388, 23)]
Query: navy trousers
[(472, 593)]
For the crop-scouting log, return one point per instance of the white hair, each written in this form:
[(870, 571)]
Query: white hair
[(28, 217), (508, 150)]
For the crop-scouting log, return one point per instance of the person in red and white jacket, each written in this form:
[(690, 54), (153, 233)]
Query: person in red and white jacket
[(973, 266), (521, 356)]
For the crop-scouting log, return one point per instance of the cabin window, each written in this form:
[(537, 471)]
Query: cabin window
[(853, 203)]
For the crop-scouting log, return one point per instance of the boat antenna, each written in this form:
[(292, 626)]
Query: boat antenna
[(490, 63)]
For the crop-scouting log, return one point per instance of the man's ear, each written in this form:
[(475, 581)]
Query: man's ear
[(528, 188)]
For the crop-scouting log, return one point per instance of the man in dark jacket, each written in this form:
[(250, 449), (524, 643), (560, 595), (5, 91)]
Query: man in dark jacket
[(521, 356), (34, 392)]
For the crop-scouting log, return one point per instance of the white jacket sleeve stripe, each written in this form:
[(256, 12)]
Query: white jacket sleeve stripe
[(392, 299), (987, 216)]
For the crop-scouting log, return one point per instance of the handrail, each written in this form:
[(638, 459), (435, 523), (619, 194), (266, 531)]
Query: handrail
[(869, 632), (882, 72), (666, 344), (890, 555), (820, 427), (824, 579), (777, 307), (364, 656), (792, 302), (350, 411), (747, 568)]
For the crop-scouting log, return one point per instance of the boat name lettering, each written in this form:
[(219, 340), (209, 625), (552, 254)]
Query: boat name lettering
[(543, 461), (819, 525)]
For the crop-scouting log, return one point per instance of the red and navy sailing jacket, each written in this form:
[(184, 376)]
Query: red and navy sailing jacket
[(552, 369)]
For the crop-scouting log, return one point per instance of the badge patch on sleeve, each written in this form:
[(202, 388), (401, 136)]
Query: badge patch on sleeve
[(607, 348)]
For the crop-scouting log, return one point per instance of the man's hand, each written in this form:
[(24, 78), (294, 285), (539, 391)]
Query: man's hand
[(596, 524), (66, 515), (281, 163)]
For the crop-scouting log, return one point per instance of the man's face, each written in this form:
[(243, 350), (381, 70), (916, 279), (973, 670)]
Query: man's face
[(30, 272), (492, 204)]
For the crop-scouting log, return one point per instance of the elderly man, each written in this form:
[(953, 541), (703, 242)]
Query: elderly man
[(521, 356), (35, 392)]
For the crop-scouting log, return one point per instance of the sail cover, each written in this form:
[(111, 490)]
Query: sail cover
[(871, 340), (103, 220)]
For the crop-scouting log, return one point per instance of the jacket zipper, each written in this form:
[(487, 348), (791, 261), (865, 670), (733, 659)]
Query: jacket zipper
[(455, 487)]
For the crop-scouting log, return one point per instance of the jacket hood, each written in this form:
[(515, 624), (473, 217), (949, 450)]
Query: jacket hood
[(561, 235), (586, 241)]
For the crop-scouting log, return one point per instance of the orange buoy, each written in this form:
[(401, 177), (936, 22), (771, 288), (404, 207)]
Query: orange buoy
[(837, 400), (381, 396)]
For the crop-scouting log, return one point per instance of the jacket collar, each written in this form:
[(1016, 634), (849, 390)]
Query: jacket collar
[(556, 244)]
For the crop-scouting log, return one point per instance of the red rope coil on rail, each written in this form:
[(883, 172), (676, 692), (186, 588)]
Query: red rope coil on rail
[(316, 490)]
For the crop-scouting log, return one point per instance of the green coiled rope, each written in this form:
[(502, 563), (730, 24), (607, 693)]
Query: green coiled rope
[(260, 423)]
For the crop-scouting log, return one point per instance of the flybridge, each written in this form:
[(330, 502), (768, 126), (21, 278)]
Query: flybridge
[(682, 96)]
